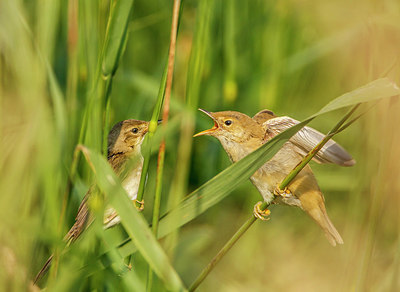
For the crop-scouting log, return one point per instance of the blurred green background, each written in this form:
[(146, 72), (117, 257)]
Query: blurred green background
[(291, 57)]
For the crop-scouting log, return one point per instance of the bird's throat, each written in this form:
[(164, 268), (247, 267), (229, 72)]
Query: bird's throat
[(237, 151)]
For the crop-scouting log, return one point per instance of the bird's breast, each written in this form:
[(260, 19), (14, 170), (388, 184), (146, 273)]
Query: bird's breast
[(272, 173), (236, 151), (131, 182)]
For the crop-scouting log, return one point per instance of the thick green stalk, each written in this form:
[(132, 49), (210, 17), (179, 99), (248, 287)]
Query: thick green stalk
[(157, 204), (157, 199), (107, 93)]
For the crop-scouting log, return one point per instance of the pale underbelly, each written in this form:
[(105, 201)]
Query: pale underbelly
[(131, 186)]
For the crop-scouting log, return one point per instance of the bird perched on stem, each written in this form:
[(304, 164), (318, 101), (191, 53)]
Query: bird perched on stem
[(124, 145), (240, 135)]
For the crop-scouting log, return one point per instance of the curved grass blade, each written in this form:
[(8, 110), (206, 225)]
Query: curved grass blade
[(377, 89), (133, 222), (222, 184)]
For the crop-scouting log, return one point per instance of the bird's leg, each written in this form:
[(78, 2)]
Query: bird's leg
[(285, 193), (261, 214), (140, 203)]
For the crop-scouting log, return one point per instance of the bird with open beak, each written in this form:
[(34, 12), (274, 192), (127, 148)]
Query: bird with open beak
[(240, 135)]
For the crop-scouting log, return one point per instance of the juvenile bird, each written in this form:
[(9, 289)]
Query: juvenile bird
[(240, 135), (124, 143)]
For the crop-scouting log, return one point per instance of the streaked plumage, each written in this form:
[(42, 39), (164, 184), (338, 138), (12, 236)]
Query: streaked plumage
[(124, 144)]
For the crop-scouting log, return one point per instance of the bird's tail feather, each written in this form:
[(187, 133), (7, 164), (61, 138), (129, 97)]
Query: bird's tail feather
[(321, 217), (331, 233), (81, 222)]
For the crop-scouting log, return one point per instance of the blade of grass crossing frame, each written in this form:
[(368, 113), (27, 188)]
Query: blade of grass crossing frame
[(222, 184), (249, 222), (133, 222), (335, 130), (377, 89)]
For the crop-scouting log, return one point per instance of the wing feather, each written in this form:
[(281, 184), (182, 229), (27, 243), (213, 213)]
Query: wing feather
[(307, 138)]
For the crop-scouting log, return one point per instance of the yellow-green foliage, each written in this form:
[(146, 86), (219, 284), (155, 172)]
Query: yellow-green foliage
[(71, 69)]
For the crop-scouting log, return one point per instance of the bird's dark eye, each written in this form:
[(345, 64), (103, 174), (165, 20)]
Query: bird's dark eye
[(135, 130), (228, 122)]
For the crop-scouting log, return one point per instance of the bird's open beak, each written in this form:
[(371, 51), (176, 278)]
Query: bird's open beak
[(209, 131)]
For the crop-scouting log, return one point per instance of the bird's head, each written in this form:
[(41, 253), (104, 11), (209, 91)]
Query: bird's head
[(231, 126), (126, 137)]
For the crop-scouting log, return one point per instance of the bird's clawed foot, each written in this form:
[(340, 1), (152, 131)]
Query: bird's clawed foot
[(139, 205), (261, 214), (285, 193)]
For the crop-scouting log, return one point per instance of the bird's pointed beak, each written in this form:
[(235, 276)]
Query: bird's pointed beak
[(209, 131)]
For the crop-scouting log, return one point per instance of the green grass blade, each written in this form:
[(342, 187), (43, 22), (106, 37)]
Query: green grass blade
[(222, 184), (133, 222), (377, 89), (116, 34)]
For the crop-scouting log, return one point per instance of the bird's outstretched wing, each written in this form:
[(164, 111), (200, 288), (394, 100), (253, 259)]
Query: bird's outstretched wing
[(307, 138)]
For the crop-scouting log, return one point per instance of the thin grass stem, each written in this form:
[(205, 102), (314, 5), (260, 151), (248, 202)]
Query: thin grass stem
[(161, 152), (222, 252), (150, 134), (195, 73)]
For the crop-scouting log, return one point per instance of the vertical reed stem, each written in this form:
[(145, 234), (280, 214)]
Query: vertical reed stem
[(161, 152)]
